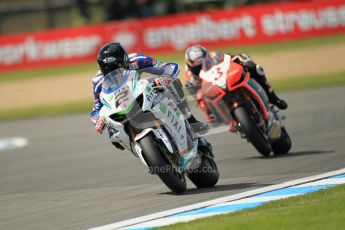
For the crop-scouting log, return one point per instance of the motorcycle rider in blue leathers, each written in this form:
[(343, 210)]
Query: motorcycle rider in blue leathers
[(113, 56)]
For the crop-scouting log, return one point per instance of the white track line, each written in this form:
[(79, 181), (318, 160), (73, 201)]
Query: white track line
[(12, 142), (323, 182), (154, 216)]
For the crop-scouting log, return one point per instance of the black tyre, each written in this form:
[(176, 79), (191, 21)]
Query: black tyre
[(283, 144), (162, 167), (206, 175), (252, 131)]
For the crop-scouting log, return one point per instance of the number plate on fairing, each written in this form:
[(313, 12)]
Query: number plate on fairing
[(218, 73)]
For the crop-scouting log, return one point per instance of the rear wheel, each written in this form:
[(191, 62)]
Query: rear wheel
[(252, 132), (161, 166), (206, 175), (283, 144)]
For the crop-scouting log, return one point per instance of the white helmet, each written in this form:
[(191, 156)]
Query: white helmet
[(194, 55)]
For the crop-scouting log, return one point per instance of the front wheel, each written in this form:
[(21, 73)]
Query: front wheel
[(283, 144), (206, 175), (174, 180), (252, 132)]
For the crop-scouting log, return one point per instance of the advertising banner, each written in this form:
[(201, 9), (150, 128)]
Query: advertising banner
[(254, 24)]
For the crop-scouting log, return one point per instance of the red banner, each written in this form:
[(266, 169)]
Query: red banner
[(239, 26)]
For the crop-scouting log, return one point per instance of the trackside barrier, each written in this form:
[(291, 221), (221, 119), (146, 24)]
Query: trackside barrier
[(238, 26)]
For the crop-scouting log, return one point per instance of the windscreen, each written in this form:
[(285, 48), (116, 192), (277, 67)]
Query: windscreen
[(208, 61), (114, 81)]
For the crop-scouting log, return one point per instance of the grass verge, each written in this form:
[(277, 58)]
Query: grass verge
[(320, 210), (176, 57), (281, 85), (312, 82), (49, 72), (49, 110)]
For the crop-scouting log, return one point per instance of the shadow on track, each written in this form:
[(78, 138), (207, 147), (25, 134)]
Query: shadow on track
[(217, 188), (294, 154)]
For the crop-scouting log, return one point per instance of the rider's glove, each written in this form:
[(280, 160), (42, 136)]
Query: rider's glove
[(244, 57), (241, 58), (162, 81), (100, 125)]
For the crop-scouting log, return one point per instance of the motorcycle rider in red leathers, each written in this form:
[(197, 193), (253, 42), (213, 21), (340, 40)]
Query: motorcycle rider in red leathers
[(197, 54)]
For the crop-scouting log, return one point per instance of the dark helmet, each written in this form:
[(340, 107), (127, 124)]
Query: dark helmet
[(112, 56), (194, 55)]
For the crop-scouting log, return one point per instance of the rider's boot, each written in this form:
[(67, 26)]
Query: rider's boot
[(204, 142), (118, 145), (257, 72), (275, 100), (197, 126)]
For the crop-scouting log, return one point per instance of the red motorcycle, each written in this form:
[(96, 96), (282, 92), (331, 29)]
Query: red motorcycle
[(229, 95)]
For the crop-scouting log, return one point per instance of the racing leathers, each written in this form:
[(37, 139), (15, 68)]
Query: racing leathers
[(142, 64), (193, 81)]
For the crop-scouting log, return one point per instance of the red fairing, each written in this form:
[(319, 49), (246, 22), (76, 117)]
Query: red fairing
[(211, 90), (235, 82), (213, 95), (234, 76)]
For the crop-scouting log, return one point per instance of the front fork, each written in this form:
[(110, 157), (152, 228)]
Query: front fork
[(159, 134), (275, 125), (190, 160)]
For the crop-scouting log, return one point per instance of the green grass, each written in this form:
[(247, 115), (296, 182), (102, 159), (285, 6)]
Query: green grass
[(324, 209), (281, 85), (49, 72), (310, 82), (56, 71), (40, 111)]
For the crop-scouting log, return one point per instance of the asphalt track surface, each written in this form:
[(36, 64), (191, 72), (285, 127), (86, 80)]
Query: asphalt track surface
[(68, 177)]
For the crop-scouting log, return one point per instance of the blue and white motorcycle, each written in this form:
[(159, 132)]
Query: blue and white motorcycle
[(148, 122)]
